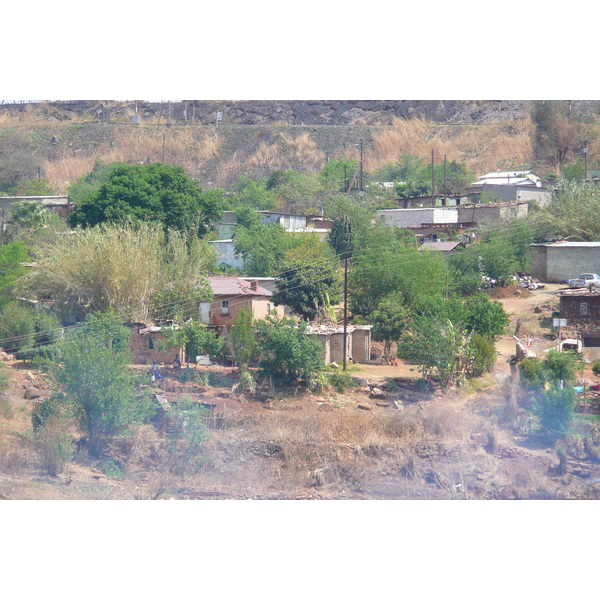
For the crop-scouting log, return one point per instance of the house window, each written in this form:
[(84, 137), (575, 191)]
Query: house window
[(151, 343), (583, 309), (224, 307)]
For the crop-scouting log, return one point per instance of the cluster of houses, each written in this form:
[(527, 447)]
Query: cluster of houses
[(496, 196), (230, 296)]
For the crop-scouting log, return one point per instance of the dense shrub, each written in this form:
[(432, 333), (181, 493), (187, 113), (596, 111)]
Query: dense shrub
[(554, 408), (484, 354)]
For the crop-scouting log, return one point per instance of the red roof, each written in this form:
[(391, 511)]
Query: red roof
[(234, 286)]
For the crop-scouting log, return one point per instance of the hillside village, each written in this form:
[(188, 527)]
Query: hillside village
[(407, 331)]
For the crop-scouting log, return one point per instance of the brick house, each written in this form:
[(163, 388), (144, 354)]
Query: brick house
[(231, 294), (580, 306), (146, 344), (358, 342), (581, 309)]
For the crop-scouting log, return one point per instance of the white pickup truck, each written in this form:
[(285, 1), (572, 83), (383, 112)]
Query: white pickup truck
[(584, 280)]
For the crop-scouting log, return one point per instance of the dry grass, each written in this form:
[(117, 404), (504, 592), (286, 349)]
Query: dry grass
[(480, 146), (67, 170), (304, 149), (188, 147)]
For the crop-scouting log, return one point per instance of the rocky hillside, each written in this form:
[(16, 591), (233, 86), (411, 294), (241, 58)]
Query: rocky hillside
[(317, 112), (62, 140)]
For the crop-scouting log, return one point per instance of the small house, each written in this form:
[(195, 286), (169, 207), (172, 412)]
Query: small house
[(560, 261), (147, 344), (331, 337), (231, 294)]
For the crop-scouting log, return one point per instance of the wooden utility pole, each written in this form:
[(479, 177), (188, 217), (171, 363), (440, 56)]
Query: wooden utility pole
[(345, 309), (445, 185), (432, 180), (361, 166)]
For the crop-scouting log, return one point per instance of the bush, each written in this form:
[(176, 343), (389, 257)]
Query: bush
[(533, 374), (484, 354), (554, 408), (112, 468), (596, 368), (45, 411), (341, 381), (563, 365), (288, 353)]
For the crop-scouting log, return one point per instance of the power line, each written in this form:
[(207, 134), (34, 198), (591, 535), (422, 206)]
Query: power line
[(364, 253)]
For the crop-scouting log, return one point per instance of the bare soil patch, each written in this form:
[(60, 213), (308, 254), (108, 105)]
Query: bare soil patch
[(397, 443)]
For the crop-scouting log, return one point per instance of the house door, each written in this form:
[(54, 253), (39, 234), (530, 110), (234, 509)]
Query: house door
[(205, 312)]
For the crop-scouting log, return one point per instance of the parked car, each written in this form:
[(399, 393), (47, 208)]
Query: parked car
[(584, 280)]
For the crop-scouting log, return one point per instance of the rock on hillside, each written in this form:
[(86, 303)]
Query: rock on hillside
[(289, 112)]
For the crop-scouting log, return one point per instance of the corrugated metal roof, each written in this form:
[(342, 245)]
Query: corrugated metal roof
[(235, 286), (439, 246), (504, 174), (566, 244)]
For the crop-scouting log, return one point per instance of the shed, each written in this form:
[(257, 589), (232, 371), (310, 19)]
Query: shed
[(557, 262)]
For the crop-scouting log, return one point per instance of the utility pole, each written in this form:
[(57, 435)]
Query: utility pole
[(585, 153), (432, 180), (345, 309), (445, 187), (163, 148), (361, 166)]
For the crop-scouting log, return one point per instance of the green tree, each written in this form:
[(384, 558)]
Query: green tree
[(17, 327), (344, 208), (498, 257), (554, 407), (34, 187), (253, 193), (412, 175), (28, 332), (308, 280), (94, 379), (466, 270), (197, 339), (12, 268), (296, 192), (437, 346), (340, 237), (387, 265), (484, 316), (89, 185), (483, 354), (563, 366), (288, 353), (536, 374), (263, 247), (26, 218), (243, 339), (389, 322), (572, 214), (335, 171), (154, 192)]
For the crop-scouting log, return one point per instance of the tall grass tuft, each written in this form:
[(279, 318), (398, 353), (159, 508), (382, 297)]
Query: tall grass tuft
[(118, 267)]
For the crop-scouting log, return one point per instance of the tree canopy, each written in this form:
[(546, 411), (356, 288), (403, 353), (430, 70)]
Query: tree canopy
[(308, 280), (154, 192)]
